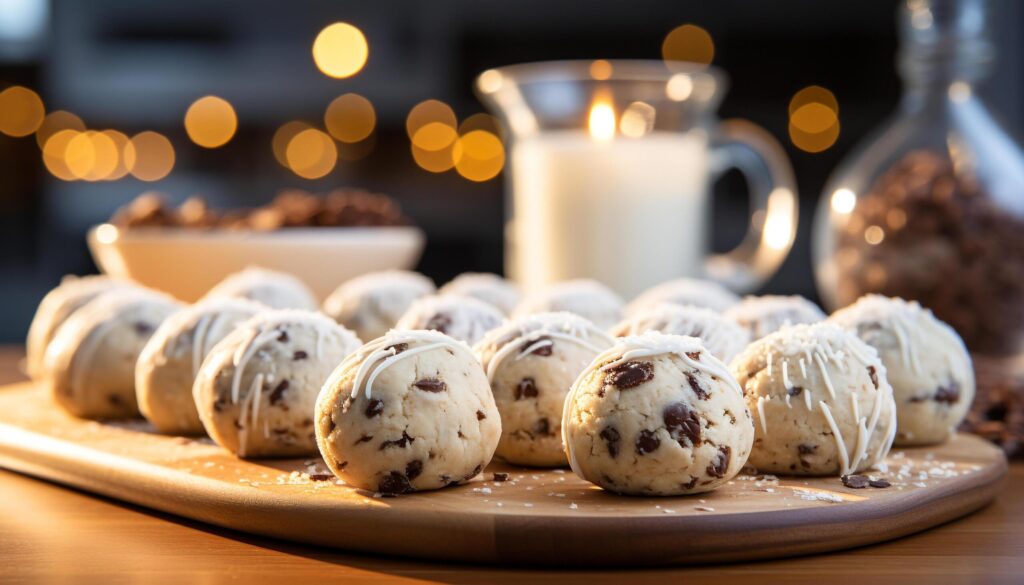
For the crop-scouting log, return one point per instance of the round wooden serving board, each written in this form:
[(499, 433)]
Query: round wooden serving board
[(545, 517)]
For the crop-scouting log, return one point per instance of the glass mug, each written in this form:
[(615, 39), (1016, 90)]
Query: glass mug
[(610, 165)]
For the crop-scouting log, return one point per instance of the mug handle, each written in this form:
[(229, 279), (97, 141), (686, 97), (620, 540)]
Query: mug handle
[(752, 151)]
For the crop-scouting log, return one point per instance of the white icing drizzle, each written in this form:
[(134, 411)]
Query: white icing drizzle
[(375, 357), (86, 353), (633, 347), (528, 334), (844, 457), (803, 368), (760, 411), (199, 340), (243, 354), (855, 406), (786, 382), (824, 375), (807, 398)]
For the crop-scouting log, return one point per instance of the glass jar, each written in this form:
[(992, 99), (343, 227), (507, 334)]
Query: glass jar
[(931, 207)]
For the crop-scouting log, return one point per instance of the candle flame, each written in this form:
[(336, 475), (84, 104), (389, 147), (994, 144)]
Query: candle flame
[(602, 119)]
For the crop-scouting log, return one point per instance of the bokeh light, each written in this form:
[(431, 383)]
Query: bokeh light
[(479, 155), (350, 118), (311, 154), (637, 119), (211, 121), (56, 121), (125, 151), (426, 112), (433, 147), (813, 119), (601, 70), (151, 156), (284, 135), (54, 150), (21, 111), (340, 50), (688, 43)]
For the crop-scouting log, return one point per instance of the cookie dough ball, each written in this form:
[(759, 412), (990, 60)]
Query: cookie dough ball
[(767, 314), (409, 411), (489, 288), (686, 291), (657, 415), (464, 318), (276, 290), (373, 303), (531, 363), (60, 303), (587, 298), (169, 363), (821, 402), (721, 336), (256, 389), (926, 363), (90, 364)]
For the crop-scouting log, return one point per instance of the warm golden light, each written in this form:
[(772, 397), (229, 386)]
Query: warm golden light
[(426, 112), (601, 70), (688, 43), (778, 226), (479, 155), (54, 154), (435, 161), (637, 120), (106, 233), (211, 121), (679, 87), (21, 111), (434, 136), (97, 148), (125, 151), (814, 119), (843, 201), (284, 135), (56, 121), (311, 154), (340, 50), (80, 155), (490, 81), (151, 156), (874, 235), (601, 120), (480, 122), (350, 118)]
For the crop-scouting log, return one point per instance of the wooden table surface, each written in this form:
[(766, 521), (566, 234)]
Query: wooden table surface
[(52, 534)]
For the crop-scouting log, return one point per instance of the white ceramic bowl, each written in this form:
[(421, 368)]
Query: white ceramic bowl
[(188, 262)]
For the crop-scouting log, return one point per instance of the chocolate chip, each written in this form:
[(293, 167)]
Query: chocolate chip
[(611, 438), (856, 482), (696, 387), (399, 347), (431, 385), (394, 483), (374, 407), (363, 439), (218, 405), (542, 427), (526, 388), (440, 322), (948, 394), (720, 464), (277, 394), (115, 400), (330, 425), (142, 328), (342, 465), (299, 355), (480, 415), (682, 424), (402, 442), (690, 484), (629, 374), (413, 469), (321, 476), (874, 376), (693, 355), (879, 483), (476, 471), (805, 449), (795, 391), (283, 337), (546, 348), (647, 442), (498, 476)]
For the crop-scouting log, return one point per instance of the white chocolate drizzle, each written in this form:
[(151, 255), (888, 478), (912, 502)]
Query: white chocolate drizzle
[(524, 336)]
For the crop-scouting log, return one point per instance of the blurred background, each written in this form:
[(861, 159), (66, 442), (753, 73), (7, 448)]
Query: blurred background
[(132, 70)]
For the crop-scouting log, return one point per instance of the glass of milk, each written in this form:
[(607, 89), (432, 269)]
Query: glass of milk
[(610, 168)]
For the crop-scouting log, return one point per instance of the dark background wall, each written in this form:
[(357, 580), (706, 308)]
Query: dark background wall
[(137, 65)]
